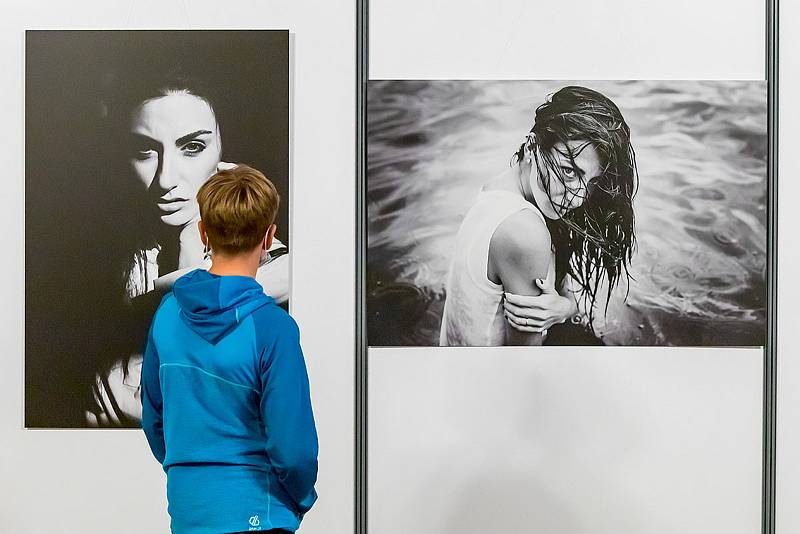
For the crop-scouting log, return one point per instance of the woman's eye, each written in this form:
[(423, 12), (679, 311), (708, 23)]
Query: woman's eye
[(193, 147), (569, 172)]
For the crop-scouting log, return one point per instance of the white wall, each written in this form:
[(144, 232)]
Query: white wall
[(788, 444), (107, 481), (566, 440)]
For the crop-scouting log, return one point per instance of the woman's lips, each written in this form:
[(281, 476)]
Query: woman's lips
[(171, 205)]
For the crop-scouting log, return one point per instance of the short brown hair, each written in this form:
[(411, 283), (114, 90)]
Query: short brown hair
[(237, 207)]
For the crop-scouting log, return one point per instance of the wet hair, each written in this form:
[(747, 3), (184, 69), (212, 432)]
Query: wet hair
[(594, 243)]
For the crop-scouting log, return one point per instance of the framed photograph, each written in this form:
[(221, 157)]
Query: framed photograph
[(121, 129), (566, 213)]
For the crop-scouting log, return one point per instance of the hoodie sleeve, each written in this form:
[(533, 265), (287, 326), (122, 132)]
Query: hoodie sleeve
[(152, 420), (288, 419)]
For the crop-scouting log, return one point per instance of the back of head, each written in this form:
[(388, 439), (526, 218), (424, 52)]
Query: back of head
[(237, 207)]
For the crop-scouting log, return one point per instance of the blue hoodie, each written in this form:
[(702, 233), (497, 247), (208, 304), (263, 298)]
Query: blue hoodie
[(226, 408)]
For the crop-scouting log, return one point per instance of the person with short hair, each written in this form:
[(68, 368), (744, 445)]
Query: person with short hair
[(226, 406), (165, 134)]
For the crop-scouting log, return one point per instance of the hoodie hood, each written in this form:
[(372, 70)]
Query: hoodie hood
[(213, 305)]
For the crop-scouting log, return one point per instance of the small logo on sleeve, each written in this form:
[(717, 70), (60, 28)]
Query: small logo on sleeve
[(255, 523)]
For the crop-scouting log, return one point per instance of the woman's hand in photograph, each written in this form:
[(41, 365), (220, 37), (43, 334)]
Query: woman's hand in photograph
[(225, 166), (164, 282), (274, 278), (537, 314)]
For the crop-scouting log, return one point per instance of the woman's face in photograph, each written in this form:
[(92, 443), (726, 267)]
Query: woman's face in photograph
[(176, 149), (567, 191)]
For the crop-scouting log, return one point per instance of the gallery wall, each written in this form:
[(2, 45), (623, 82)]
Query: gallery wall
[(106, 480), (566, 440), (676, 432), (788, 415)]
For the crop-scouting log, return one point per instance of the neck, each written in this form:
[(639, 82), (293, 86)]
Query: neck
[(510, 180), (238, 265), (523, 181), (180, 248)]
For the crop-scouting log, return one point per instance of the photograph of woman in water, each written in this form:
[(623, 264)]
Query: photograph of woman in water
[(117, 151), (576, 168), (632, 213)]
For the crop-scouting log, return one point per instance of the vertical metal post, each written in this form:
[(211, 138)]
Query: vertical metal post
[(770, 351), (362, 45)]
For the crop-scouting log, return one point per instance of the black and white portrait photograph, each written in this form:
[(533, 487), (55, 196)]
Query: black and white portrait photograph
[(566, 213), (121, 130)]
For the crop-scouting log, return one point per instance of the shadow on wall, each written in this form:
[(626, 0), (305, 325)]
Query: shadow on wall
[(500, 502)]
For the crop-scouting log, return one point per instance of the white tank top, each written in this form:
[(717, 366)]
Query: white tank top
[(473, 308)]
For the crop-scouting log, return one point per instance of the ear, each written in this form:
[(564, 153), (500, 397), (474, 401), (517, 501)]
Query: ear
[(203, 235), (269, 237)]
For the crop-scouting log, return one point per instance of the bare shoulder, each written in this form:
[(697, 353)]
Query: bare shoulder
[(523, 235), (519, 252)]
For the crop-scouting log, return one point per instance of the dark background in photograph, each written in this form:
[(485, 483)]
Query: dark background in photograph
[(76, 193), (699, 267)]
